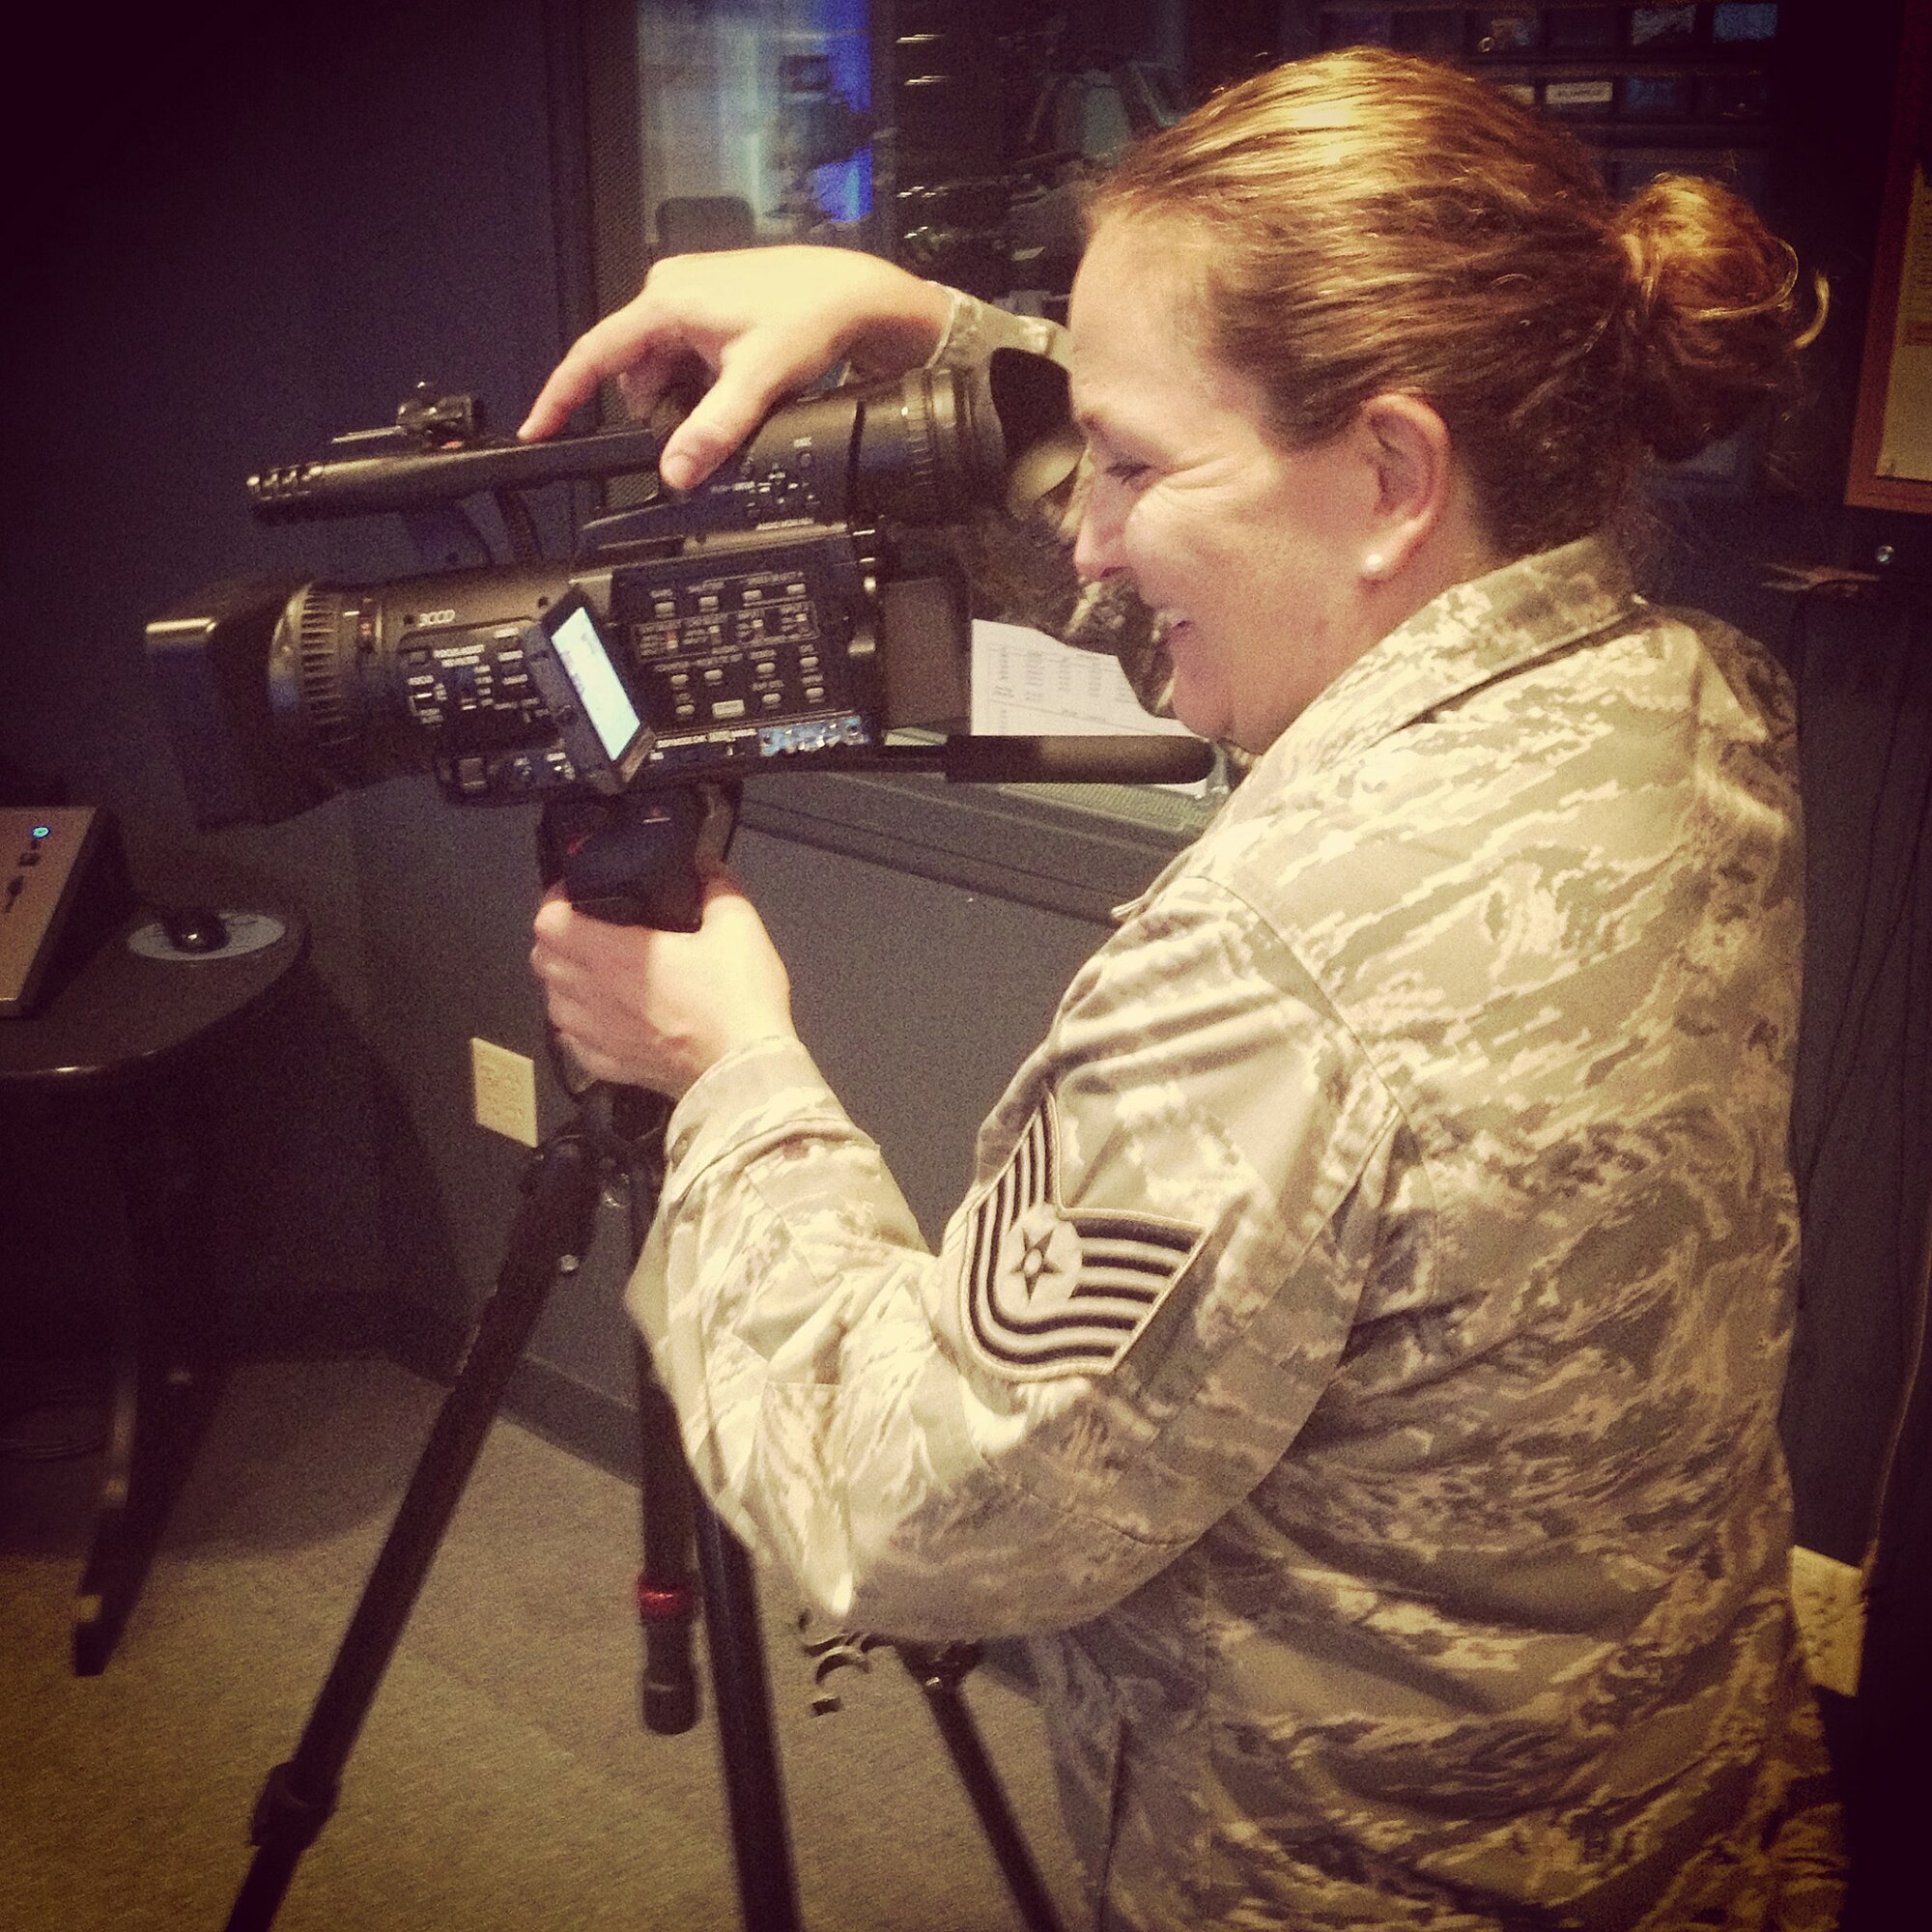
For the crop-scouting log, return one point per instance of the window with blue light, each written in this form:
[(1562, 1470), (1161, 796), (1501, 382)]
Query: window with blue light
[(755, 116)]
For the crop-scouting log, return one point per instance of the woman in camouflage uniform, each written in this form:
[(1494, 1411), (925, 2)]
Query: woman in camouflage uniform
[(1356, 1367)]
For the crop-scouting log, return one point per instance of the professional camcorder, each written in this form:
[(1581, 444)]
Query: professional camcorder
[(790, 612)]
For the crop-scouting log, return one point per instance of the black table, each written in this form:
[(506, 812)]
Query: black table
[(115, 1052)]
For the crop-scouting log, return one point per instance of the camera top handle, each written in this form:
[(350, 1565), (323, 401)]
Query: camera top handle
[(422, 471)]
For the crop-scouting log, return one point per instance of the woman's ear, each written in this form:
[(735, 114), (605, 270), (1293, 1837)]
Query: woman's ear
[(1406, 445)]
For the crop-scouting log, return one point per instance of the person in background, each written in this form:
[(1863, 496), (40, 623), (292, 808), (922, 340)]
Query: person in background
[(1355, 1369)]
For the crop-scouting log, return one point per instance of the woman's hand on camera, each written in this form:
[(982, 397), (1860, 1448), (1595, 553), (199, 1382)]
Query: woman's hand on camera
[(640, 1008), (761, 323)]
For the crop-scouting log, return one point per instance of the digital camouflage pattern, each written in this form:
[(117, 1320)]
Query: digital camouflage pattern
[(1356, 1367)]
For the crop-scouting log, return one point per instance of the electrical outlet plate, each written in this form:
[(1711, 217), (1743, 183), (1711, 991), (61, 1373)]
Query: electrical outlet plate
[(1828, 1599), (505, 1085)]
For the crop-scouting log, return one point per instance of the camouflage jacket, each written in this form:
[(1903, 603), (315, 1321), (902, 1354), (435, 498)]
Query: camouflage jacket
[(1356, 1367)]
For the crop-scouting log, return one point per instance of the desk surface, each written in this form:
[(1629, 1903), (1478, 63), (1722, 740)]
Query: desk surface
[(122, 1013)]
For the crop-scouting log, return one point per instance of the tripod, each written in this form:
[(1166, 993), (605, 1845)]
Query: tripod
[(550, 1235)]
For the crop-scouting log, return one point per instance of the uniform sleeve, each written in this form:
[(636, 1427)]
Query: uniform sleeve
[(975, 328), (1127, 1324)]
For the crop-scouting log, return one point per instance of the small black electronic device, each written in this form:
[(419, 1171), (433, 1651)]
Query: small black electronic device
[(194, 929), (63, 888), (606, 740)]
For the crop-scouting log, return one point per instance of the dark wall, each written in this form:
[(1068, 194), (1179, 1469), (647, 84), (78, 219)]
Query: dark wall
[(229, 243)]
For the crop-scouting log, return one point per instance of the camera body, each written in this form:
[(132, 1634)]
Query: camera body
[(735, 649)]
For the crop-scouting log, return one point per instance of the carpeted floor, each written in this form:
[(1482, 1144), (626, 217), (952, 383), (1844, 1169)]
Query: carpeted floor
[(502, 1782)]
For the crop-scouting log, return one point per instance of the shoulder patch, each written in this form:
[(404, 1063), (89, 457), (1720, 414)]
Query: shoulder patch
[(1053, 1292)]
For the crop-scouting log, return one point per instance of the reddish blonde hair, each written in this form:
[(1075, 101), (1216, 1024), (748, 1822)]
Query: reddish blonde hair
[(1365, 222)]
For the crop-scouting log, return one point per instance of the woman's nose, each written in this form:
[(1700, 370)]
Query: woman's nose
[(1096, 541)]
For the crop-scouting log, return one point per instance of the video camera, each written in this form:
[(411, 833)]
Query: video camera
[(792, 612)]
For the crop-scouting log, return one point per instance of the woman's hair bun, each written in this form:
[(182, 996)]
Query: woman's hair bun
[(1365, 222), (1714, 317)]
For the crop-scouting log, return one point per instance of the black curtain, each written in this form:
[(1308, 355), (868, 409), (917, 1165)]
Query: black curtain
[(1859, 1412)]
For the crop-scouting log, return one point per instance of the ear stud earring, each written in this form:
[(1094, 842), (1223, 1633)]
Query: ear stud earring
[(1374, 564)]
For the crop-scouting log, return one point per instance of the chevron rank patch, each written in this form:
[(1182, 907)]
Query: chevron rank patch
[(1053, 1292)]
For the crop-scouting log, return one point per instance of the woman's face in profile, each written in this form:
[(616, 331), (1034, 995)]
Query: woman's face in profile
[(1249, 550)]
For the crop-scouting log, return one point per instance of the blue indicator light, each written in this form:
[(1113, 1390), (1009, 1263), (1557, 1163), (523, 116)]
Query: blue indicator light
[(41, 831)]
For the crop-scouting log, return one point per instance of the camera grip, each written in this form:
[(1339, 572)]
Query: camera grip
[(637, 859)]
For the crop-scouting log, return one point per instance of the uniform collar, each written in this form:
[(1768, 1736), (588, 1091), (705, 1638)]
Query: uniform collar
[(1470, 636)]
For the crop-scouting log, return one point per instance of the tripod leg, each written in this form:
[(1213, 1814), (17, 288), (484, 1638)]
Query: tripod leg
[(675, 1517), (552, 1230), (667, 1599), (938, 1669), (747, 1744)]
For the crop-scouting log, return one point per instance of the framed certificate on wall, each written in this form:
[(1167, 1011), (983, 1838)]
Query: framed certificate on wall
[(1891, 440)]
